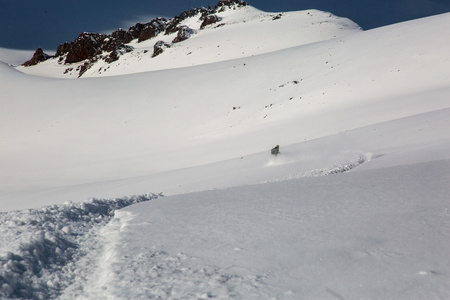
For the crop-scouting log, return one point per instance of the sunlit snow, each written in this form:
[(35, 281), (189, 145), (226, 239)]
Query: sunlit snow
[(355, 205)]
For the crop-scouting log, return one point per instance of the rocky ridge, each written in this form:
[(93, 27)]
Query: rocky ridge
[(38, 56), (92, 47)]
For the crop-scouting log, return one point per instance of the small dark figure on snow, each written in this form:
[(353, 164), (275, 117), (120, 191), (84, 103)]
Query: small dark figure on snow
[(275, 150)]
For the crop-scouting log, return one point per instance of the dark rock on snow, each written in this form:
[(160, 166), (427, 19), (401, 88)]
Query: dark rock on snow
[(122, 35), (173, 24), (94, 46), (141, 31), (38, 56), (151, 31), (229, 3), (159, 48), (208, 20), (84, 47), (184, 33), (116, 53)]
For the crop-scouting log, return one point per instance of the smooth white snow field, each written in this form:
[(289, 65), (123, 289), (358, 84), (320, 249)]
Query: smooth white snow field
[(14, 57), (355, 206)]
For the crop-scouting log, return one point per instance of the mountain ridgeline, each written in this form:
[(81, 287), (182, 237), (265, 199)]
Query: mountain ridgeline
[(92, 47)]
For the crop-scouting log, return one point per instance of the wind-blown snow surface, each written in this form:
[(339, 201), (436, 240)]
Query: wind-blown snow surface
[(370, 110)]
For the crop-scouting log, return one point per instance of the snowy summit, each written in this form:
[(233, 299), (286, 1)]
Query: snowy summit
[(149, 174), (230, 30)]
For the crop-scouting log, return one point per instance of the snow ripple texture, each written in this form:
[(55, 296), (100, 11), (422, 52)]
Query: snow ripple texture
[(41, 249)]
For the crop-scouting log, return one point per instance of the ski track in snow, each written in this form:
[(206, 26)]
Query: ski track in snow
[(397, 224), (336, 169), (74, 250), (154, 274), (43, 250)]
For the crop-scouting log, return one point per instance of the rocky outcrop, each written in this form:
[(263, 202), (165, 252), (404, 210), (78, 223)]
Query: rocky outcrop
[(183, 34), (140, 31), (91, 47), (228, 3), (38, 57), (116, 53), (62, 49), (159, 48), (152, 29), (174, 23), (122, 35), (208, 20), (86, 46)]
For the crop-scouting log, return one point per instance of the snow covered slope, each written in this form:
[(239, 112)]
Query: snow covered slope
[(87, 131), (14, 57), (379, 234), (354, 206), (240, 32)]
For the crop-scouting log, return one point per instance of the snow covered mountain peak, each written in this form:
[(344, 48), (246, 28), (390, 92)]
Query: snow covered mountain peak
[(230, 30)]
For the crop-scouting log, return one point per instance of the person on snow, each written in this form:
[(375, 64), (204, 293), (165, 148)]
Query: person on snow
[(275, 150)]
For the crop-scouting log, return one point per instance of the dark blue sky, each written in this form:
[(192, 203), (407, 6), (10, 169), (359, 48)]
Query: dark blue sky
[(29, 24)]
